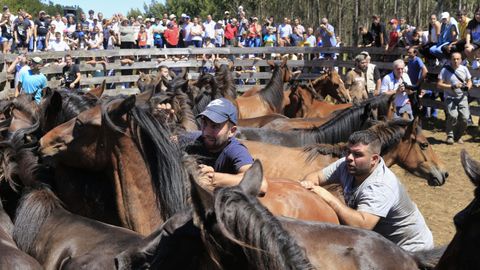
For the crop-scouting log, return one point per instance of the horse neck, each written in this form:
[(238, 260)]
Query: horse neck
[(390, 138), (6, 224), (134, 195), (273, 92)]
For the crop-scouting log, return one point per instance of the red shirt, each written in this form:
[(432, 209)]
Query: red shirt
[(142, 39), (230, 31), (171, 35)]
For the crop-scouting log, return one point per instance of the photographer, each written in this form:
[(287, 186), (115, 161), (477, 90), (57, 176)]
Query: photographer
[(455, 81), (71, 73), (398, 83)]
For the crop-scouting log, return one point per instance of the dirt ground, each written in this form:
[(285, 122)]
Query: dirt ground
[(440, 204)]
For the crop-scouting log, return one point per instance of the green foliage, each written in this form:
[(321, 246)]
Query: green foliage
[(32, 6), (134, 12)]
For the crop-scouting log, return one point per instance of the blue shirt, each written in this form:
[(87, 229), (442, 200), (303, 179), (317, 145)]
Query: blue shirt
[(328, 41), (234, 156), (33, 84), (415, 69)]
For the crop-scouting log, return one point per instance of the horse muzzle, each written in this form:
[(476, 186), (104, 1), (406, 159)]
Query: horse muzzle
[(437, 178)]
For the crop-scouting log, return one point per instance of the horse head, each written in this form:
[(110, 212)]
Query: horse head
[(462, 252), (330, 83), (415, 154)]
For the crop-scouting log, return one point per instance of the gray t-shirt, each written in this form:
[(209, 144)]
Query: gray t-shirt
[(450, 78), (381, 194)]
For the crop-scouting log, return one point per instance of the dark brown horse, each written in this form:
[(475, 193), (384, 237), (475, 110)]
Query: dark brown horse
[(462, 252), (61, 240), (239, 233), (10, 256)]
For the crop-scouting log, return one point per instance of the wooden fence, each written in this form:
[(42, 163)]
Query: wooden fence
[(148, 60)]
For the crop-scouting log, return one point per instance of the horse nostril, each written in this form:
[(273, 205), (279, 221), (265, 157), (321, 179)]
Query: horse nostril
[(446, 175)]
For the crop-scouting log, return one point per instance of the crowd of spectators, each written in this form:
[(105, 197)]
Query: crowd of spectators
[(23, 32)]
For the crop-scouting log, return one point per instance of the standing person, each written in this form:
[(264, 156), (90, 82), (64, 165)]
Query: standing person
[(142, 37), (196, 33), (393, 36), (209, 27), (127, 35), (219, 34), (33, 81), (40, 31), (17, 67), (7, 35), (224, 158), (375, 198), (417, 72), (255, 33), (472, 37), (21, 32), (327, 33), (355, 78), (397, 82), (231, 32), (58, 45), (367, 39), (171, 35), (284, 32), (455, 81), (379, 32), (372, 76), (310, 40), (187, 29), (71, 73)]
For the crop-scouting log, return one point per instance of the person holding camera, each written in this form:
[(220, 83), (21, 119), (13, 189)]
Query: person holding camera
[(455, 80), (398, 83)]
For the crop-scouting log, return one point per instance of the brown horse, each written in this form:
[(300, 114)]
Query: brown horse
[(271, 99), (462, 252), (297, 123), (141, 156), (403, 143), (239, 233), (287, 75), (260, 121), (331, 84), (10, 256)]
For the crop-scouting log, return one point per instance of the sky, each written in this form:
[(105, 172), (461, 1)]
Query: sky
[(107, 7)]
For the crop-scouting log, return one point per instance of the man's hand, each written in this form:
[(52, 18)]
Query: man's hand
[(165, 109), (307, 184), (206, 176), (72, 85)]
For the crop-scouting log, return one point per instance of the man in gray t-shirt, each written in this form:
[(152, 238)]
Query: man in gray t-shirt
[(376, 200), (455, 81)]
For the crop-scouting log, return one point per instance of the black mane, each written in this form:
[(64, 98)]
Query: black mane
[(272, 94)]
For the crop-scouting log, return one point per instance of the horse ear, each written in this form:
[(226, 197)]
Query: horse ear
[(119, 109), (271, 63), (53, 106), (144, 98), (471, 167), (98, 92), (141, 74), (252, 179), (411, 129)]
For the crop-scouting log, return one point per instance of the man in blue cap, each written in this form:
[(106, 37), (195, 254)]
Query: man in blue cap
[(224, 158)]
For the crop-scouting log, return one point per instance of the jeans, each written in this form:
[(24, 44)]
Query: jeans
[(437, 50), (458, 113)]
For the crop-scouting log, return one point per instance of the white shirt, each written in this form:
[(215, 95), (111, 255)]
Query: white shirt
[(390, 83), (58, 46), (209, 29)]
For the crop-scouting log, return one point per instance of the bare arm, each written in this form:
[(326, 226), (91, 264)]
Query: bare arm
[(218, 179), (347, 215)]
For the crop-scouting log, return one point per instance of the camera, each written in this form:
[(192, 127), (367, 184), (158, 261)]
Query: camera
[(409, 87), (464, 87)]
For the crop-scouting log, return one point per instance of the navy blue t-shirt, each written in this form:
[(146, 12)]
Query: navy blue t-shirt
[(229, 160), (415, 69)]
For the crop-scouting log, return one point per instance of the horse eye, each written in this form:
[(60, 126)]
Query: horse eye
[(424, 146)]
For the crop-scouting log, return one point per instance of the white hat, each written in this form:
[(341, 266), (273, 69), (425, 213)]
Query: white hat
[(172, 16), (445, 15), (139, 17), (184, 15)]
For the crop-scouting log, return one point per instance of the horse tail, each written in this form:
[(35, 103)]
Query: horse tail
[(428, 259), (35, 207)]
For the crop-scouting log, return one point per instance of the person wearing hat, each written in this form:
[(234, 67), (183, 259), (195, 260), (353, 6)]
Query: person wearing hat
[(393, 36), (448, 34), (171, 35), (40, 31), (33, 81), (373, 78), (355, 79), (187, 29), (226, 18), (224, 159)]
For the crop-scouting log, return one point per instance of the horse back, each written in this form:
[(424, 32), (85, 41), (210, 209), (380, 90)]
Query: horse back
[(341, 247), (288, 198), (253, 106)]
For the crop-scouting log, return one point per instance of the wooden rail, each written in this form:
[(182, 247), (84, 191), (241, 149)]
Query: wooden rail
[(148, 60)]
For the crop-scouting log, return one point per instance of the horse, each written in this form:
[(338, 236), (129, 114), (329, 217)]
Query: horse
[(270, 99), (61, 240), (141, 155), (461, 252), (260, 121), (236, 227), (225, 81), (286, 77), (331, 84), (10, 256), (336, 130)]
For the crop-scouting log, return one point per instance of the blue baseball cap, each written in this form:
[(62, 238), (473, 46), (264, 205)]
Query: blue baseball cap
[(220, 110)]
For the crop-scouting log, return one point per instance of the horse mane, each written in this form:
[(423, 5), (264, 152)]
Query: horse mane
[(72, 105), (339, 128), (35, 207), (162, 157), (272, 94), (245, 221), (208, 92), (390, 133), (381, 103), (24, 103), (335, 150), (225, 82), (320, 78)]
